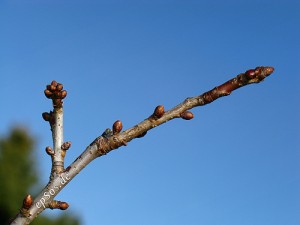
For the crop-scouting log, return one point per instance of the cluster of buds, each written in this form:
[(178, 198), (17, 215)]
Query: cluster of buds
[(55, 92)]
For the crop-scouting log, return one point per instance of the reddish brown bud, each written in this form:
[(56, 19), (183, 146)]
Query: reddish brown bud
[(54, 83), (63, 94), (66, 145), (187, 115), (46, 116), (250, 74), (63, 205), (117, 127), (52, 88), (48, 93), (49, 150), (159, 111), (27, 202), (59, 87), (58, 205)]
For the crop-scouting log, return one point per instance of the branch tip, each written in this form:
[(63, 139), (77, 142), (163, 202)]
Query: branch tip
[(55, 92), (259, 73)]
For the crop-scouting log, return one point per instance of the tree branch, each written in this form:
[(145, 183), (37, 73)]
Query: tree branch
[(112, 139)]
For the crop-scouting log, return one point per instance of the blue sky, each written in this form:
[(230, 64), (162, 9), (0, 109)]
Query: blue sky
[(237, 162)]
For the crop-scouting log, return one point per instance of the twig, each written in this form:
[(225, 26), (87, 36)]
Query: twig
[(112, 139)]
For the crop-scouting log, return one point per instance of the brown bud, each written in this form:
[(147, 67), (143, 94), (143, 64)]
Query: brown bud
[(27, 202), (63, 94), (63, 205), (117, 127), (48, 93), (46, 116), (159, 111), (59, 87), (54, 83), (52, 88), (250, 74), (187, 115), (49, 150), (66, 145)]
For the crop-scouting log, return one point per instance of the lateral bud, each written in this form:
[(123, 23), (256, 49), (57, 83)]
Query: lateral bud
[(117, 127), (59, 87), (159, 111), (46, 116), (58, 205), (66, 145), (63, 205), (187, 115), (63, 94), (250, 74), (48, 93), (27, 202), (49, 150)]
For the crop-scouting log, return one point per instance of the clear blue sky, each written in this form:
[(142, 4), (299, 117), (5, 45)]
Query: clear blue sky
[(236, 163)]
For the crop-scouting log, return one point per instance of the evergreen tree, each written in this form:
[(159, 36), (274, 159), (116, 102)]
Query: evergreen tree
[(18, 176)]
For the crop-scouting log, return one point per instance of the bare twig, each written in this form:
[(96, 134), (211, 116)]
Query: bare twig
[(111, 139)]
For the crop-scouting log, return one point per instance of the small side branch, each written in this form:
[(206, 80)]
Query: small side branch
[(55, 92)]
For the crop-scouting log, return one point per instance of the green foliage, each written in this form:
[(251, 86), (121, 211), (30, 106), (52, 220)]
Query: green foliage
[(18, 175), (63, 220)]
